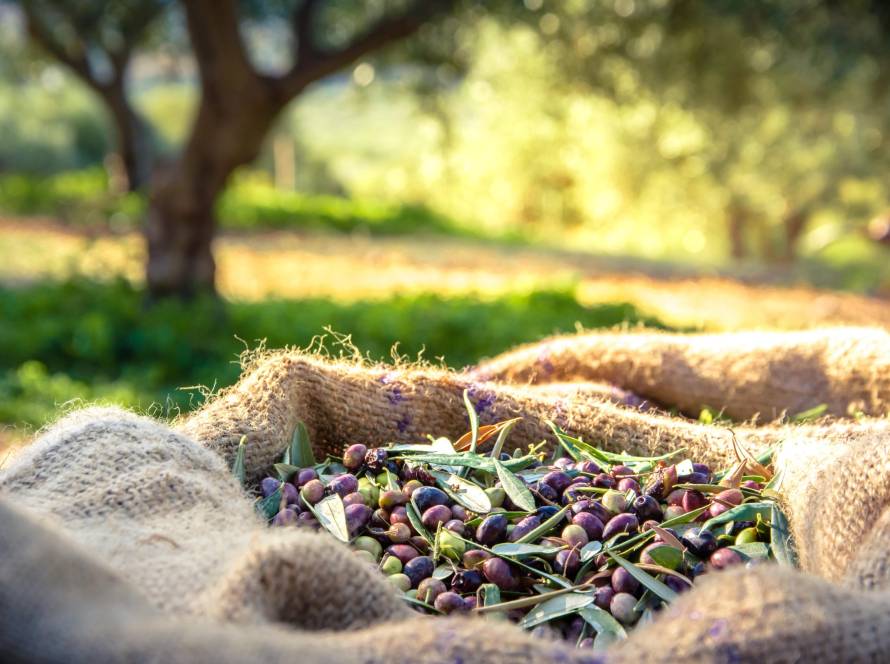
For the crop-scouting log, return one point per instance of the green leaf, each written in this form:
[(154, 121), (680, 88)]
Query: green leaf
[(752, 550), (474, 421), (468, 460), (300, 452), (467, 493), (414, 518), (285, 471), (608, 630), (743, 512), (544, 528), (421, 603), (517, 550), (475, 521), (813, 413), (666, 556), (589, 550), (646, 580), (331, 514), (442, 572), (392, 482), (270, 506), (515, 488), (502, 438), (780, 538), (490, 594), (554, 608), (238, 469)]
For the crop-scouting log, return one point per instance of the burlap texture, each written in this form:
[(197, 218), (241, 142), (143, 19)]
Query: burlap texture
[(744, 374), (139, 545)]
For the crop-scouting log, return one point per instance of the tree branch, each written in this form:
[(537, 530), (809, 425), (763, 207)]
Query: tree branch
[(302, 20), (320, 63), (76, 62)]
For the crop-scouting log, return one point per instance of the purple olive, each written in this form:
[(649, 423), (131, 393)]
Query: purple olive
[(547, 492), (419, 568), (701, 542), (269, 485), (661, 482), (629, 484), (692, 500), (567, 562), (305, 475), (697, 478), (492, 529), (751, 484), (604, 481), (435, 515), (291, 495), (557, 480), (675, 583), (420, 544), (380, 518), (399, 533), (344, 484), (622, 523), (467, 581), (286, 517), (399, 515), (375, 459), (675, 497), (427, 496), (470, 602), (622, 608), (307, 519), (353, 499), (391, 499), (585, 644), (429, 589), (354, 456), (603, 597), (572, 494), (456, 526), (624, 582), (646, 508), (580, 481), (312, 491), (403, 552), (591, 525), (524, 527), (498, 572), (563, 463), (588, 467), (459, 512), (450, 602), (673, 511), (725, 501), (723, 558), (475, 557), (357, 517)]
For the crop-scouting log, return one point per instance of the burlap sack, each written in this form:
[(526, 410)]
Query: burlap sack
[(139, 545), (744, 374)]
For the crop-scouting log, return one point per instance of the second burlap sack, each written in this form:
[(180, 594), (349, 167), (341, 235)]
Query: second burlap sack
[(160, 509)]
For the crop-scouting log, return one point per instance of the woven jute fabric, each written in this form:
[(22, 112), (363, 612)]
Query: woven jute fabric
[(743, 374), (123, 539)]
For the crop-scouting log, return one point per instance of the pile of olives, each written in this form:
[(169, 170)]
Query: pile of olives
[(509, 536)]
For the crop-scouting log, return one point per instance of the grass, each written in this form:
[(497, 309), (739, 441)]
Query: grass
[(90, 340)]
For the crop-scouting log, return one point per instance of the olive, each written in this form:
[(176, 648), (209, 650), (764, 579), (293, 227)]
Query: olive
[(456, 526), (603, 597), (622, 523), (419, 543), (307, 519), (390, 499), (496, 495), (675, 497), (305, 475), (557, 480), (580, 481), (369, 490), (460, 512), (419, 568), (467, 581), (409, 487), (563, 463), (751, 484), (591, 525), (546, 511), (673, 511), (475, 557), (724, 501), (723, 558), (622, 608), (574, 536), (567, 562), (572, 494), (450, 602), (375, 459), (391, 565), (614, 501), (344, 484), (286, 517), (429, 589), (547, 492), (451, 545), (624, 582), (604, 481), (369, 544), (629, 484), (661, 482), (399, 515), (697, 478), (400, 581), (269, 485), (588, 467), (586, 643), (435, 515), (676, 584), (746, 536), (492, 529), (312, 491), (354, 499), (357, 517), (622, 471), (701, 542), (403, 552), (646, 508), (366, 556), (354, 456), (692, 500), (426, 496), (524, 527), (498, 572), (380, 518), (399, 533)]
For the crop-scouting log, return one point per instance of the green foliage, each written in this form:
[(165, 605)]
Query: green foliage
[(88, 340)]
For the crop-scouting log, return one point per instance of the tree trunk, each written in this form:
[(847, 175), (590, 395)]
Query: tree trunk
[(794, 224), (132, 135), (181, 220), (736, 221)]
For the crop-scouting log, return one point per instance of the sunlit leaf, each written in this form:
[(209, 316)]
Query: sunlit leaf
[(556, 607), (331, 514), (646, 580), (514, 487)]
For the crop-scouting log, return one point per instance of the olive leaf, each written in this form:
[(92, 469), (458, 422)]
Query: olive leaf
[(468, 460), (751, 550), (475, 521), (589, 550), (780, 538), (505, 429), (299, 453), (442, 572), (463, 491), (646, 580), (514, 487), (544, 528), (421, 603), (557, 607), (666, 556), (474, 421), (608, 630), (270, 506), (516, 549), (285, 471), (331, 514), (416, 523), (743, 512), (238, 469)]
